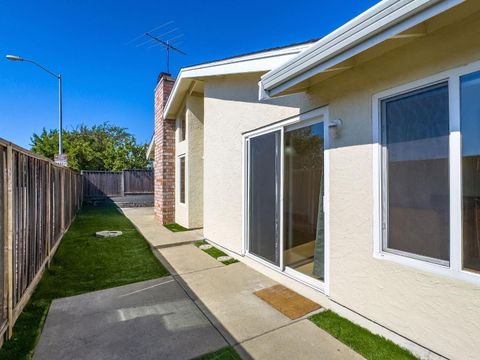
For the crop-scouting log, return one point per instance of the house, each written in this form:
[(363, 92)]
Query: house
[(347, 169)]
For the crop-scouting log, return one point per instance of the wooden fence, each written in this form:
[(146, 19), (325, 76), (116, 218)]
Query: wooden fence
[(38, 202), (117, 183)]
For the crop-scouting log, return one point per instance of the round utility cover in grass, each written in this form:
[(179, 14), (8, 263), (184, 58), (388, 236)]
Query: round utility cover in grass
[(205, 247), (108, 233), (224, 258)]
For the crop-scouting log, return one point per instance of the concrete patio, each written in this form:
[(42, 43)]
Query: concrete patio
[(225, 295), (147, 320), (201, 307)]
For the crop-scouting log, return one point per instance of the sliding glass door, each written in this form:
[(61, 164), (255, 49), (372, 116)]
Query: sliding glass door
[(285, 188), (264, 196), (303, 200)]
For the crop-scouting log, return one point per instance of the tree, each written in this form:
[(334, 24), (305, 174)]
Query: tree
[(100, 147)]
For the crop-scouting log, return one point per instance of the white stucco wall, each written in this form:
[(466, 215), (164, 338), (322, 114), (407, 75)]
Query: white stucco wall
[(181, 149), (232, 108), (195, 161), (439, 313), (190, 213)]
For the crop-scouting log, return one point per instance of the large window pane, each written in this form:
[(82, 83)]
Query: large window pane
[(264, 196), (415, 129), (303, 210), (470, 126)]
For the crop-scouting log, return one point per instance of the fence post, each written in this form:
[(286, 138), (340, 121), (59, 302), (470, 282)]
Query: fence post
[(49, 211), (62, 200), (9, 241), (122, 186)]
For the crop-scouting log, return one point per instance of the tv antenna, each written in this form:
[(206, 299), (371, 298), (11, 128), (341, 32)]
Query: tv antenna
[(169, 39), (168, 47)]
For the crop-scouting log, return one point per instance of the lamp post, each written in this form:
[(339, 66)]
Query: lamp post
[(59, 78)]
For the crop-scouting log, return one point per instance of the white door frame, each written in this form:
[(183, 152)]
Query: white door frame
[(301, 120)]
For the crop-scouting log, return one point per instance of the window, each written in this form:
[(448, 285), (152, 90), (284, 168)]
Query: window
[(182, 179), (428, 174), (286, 197), (264, 196), (470, 127), (182, 127), (304, 242), (415, 128)]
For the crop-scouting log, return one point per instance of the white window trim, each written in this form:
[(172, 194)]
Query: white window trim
[(454, 270), (184, 156), (300, 120)]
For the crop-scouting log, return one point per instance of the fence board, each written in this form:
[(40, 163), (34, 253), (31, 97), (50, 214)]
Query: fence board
[(138, 181), (117, 183), (38, 201)]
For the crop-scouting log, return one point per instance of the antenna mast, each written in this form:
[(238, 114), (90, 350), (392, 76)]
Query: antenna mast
[(167, 46)]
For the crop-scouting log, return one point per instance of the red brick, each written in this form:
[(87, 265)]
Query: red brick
[(164, 153)]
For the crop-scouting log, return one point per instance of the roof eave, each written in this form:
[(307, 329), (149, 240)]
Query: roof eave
[(308, 64), (255, 63)]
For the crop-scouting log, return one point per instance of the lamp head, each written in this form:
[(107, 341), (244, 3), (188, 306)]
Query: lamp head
[(14, 58)]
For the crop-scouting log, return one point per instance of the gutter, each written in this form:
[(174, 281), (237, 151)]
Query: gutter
[(372, 27)]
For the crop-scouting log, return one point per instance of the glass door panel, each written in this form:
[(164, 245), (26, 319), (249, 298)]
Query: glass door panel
[(264, 196), (303, 200)]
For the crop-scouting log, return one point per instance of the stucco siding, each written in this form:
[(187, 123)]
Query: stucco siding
[(440, 313), (232, 108), (181, 149), (195, 161), (435, 311)]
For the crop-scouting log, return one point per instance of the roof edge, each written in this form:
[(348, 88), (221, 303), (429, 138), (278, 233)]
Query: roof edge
[(215, 68), (373, 26)]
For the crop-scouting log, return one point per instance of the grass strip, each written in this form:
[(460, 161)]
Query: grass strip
[(175, 227), (214, 252), (371, 346), (84, 263), (227, 353)]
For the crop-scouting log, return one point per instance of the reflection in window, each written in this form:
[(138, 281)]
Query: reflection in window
[(415, 130), (303, 206), (470, 127)]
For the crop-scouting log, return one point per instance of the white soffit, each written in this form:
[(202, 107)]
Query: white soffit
[(377, 24), (250, 63)]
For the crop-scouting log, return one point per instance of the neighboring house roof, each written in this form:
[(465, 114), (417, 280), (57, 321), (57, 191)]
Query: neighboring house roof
[(259, 61), (379, 23)]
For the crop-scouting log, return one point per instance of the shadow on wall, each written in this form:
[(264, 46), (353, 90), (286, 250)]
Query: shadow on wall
[(244, 89)]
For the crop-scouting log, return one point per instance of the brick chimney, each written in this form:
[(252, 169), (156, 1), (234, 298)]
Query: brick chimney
[(164, 153)]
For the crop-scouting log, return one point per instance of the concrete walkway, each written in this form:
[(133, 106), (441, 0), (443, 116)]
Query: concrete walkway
[(225, 296), (156, 234)]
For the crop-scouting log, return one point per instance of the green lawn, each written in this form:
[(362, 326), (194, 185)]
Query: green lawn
[(214, 252), (227, 353), (84, 263), (371, 346), (174, 227)]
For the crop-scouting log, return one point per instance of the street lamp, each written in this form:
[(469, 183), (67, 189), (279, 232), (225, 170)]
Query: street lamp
[(59, 78)]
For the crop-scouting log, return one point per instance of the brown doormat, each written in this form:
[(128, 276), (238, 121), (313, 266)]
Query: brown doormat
[(288, 302)]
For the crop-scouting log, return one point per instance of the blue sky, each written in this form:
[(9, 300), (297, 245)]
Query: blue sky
[(108, 79)]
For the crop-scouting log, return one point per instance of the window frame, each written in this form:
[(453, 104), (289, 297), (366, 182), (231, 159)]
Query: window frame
[(313, 116), (455, 268), (385, 179)]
